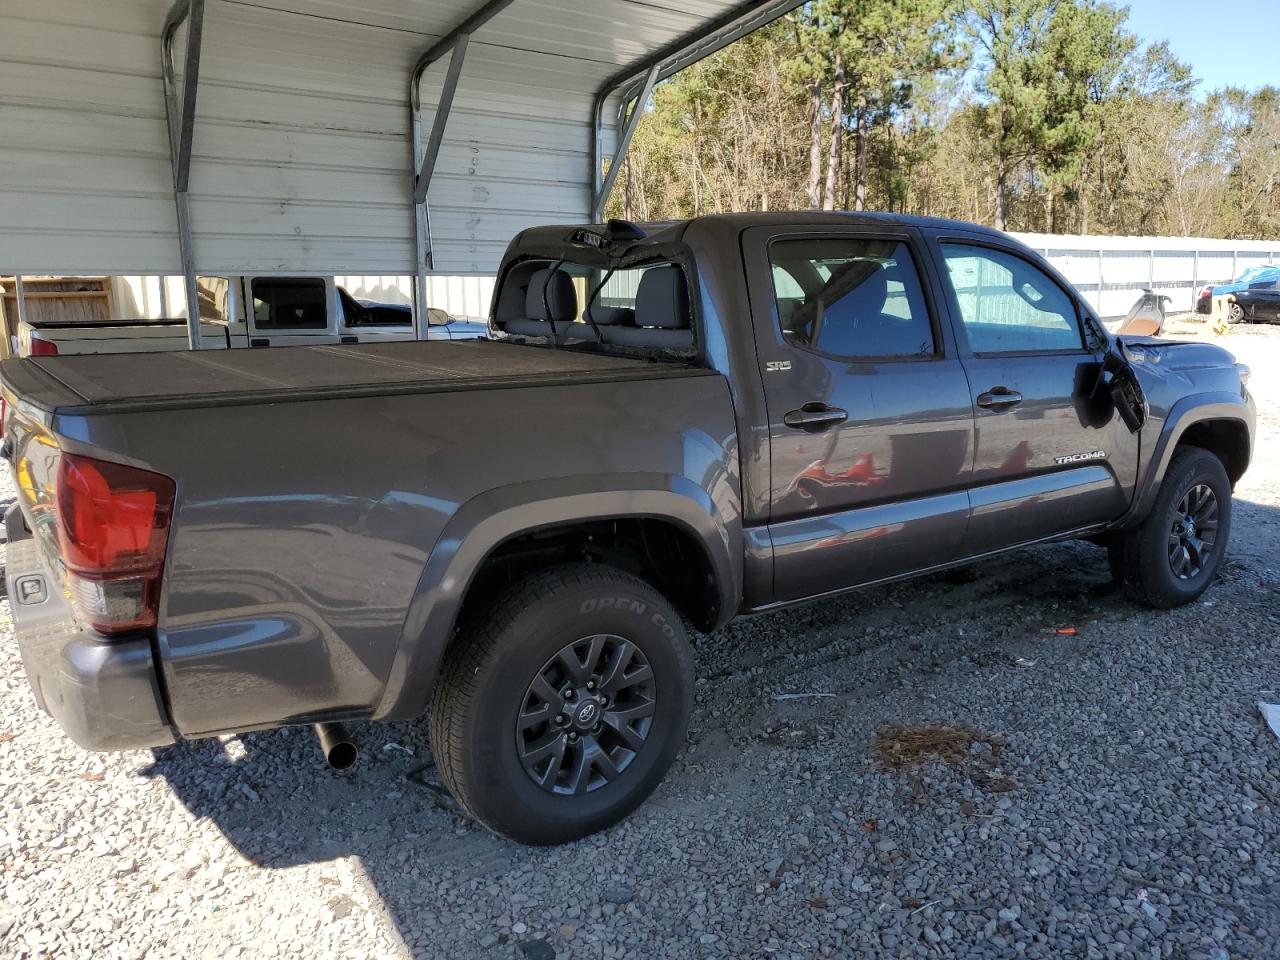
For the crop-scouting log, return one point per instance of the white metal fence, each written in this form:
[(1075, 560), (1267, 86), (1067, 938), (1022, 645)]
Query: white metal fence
[(1111, 272)]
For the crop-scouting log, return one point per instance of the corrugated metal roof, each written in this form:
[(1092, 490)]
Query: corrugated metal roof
[(300, 156)]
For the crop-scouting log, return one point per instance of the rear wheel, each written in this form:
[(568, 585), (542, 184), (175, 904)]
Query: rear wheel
[(1235, 313), (1173, 556), (563, 708)]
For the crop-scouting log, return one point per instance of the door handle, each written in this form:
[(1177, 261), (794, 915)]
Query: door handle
[(999, 398), (815, 416)]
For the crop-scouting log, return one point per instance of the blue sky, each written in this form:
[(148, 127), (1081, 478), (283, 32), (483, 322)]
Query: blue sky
[(1226, 42)]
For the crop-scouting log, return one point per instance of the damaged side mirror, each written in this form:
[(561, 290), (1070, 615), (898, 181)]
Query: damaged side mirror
[(1120, 383)]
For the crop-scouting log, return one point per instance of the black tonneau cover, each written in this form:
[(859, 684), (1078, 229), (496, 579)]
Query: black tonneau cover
[(100, 383)]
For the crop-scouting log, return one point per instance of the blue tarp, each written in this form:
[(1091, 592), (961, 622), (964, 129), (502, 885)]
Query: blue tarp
[(1252, 277)]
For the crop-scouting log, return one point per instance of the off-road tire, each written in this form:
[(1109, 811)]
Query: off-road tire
[(1139, 558), (487, 675)]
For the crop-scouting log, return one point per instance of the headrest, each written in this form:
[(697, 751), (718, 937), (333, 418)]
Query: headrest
[(611, 316), (562, 298), (662, 299)]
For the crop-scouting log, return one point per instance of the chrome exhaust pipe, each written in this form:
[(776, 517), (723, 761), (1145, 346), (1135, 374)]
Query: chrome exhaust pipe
[(340, 751)]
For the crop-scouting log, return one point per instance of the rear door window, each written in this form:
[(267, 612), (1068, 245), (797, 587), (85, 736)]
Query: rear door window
[(290, 303), (852, 297)]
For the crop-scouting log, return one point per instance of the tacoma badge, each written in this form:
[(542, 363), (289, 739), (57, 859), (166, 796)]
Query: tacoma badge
[(1079, 457)]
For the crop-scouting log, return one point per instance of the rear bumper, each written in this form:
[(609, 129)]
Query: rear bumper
[(104, 695)]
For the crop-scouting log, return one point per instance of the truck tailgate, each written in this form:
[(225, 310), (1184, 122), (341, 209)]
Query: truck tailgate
[(107, 382)]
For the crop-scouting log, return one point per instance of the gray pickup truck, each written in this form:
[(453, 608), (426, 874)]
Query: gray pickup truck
[(715, 417)]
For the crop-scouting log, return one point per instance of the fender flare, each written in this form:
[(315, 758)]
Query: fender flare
[(1185, 413), (486, 521)]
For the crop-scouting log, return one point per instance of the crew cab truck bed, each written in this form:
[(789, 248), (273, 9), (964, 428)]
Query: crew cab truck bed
[(97, 385), (302, 526), (665, 426)]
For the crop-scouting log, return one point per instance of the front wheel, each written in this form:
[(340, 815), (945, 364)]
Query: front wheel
[(1172, 557), (561, 710)]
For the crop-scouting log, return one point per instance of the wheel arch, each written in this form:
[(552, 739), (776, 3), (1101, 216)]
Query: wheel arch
[(1227, 439), (1220, 422), (487, 525)]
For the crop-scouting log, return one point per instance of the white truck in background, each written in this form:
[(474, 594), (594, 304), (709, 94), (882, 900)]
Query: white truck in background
[(239, 312)]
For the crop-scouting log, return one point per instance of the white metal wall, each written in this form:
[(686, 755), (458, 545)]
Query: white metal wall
[(300, 154), (300, 157), (1112, 272)]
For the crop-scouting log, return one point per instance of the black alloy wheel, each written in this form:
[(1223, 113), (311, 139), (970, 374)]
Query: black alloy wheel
[(586, 715), (1194, 532)]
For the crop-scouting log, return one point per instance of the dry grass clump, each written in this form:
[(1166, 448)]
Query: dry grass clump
[(899, 746)]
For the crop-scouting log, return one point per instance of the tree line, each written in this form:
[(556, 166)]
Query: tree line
[(1032, 115)]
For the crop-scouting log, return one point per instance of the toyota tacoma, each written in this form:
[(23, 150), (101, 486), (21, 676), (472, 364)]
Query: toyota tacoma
[(665, 426)]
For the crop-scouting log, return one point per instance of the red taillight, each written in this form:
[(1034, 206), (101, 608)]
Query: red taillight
[(113, 525), (43, 348)]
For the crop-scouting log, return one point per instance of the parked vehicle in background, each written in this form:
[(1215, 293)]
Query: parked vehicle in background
[(768, 409), (248, 312), (1262, 279), (1258, 304), (442, 325)]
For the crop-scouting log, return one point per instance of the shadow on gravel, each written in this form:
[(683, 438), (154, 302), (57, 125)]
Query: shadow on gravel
[(280, 806)]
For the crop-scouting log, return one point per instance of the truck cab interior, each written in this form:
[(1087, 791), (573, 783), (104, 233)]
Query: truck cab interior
[(641, 307)]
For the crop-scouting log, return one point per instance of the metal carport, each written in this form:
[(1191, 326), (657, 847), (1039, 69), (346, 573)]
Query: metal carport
[(291, 140)]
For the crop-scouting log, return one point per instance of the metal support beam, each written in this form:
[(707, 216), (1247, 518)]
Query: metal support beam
[(624, 144), (1101, 282), (164, 297), (6, 328), (422, 182), (1195, 276), (422, 158), (20, 294), (9, 322), (629, 84), (181, 120)]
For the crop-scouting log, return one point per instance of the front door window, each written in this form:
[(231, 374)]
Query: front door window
[(1009, 306)]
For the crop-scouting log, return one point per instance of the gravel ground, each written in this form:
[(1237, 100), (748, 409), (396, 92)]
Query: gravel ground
[(1118, 796)]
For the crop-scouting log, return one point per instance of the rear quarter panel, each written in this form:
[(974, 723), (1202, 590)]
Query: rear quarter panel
[(303, 529)]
